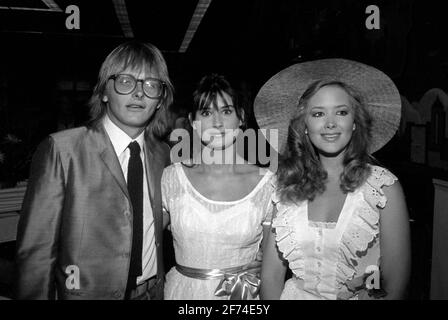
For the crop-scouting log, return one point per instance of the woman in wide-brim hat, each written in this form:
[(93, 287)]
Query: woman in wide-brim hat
[(337, 213)]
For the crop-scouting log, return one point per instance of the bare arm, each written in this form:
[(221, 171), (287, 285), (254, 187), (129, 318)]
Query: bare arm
[(273, 270), (165, 210), (395, 243), (264, 242)]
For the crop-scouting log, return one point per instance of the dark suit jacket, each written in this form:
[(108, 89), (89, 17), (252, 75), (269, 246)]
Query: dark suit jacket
[(77, 212)]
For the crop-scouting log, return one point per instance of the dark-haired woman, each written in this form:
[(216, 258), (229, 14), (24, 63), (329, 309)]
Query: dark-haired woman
[(341, 221), (216, 204)]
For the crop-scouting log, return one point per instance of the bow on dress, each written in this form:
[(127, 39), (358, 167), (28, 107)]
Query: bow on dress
[(238, 285)]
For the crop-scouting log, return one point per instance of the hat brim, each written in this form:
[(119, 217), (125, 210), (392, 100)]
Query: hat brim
[(277, 101)]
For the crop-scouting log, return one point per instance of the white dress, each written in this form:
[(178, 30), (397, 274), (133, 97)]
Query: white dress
[(210, 234), (323, 257)]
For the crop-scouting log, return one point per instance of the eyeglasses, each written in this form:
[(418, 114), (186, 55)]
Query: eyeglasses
[(126, 83)]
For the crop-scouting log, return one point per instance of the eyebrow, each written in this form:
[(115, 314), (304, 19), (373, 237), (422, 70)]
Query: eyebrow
[(209, 107), (338, 106)]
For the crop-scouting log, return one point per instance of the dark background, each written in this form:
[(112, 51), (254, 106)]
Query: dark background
[(46, 68)]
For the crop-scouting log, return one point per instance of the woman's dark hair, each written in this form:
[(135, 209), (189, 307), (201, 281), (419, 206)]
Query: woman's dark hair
[(300, 173), (210, 88)]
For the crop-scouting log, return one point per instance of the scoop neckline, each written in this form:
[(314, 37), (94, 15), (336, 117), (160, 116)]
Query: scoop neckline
[(260, 183)]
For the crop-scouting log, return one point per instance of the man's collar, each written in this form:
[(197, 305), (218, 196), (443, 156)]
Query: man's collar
[(120, 140)]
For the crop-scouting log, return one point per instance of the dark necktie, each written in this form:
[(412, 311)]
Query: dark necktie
[(135, 188)]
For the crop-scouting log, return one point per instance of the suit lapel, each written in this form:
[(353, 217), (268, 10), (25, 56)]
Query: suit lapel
[(154, 167), (107, 154), (111, 161)]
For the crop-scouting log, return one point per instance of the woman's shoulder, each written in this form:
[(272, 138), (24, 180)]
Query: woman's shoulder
[(170, 168), (380, 177), (379, 180), (170, 173)]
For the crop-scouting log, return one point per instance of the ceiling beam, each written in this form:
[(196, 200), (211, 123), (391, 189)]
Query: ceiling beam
[(199, 12), (51, 7), (122, 14)]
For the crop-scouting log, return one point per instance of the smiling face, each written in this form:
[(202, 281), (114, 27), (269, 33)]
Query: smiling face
[(130, 112), (218, 122), (330, 120)]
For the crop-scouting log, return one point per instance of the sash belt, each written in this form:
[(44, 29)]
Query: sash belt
[(236, 282)]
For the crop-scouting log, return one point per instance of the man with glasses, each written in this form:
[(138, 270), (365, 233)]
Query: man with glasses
[(91, 222)]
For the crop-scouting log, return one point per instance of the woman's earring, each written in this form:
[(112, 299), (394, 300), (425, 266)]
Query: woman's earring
[(354, 127), (105, 99), (306, 131)]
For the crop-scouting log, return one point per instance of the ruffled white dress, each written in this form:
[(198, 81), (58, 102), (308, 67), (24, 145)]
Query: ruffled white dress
[(210, 234), (323, 257)]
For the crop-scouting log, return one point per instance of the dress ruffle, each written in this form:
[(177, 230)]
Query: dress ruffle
[(286, 241), (373, 188), (284, 233), (363, 229)]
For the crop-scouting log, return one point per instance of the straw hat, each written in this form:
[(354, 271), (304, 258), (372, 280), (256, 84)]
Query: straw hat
[(277, 101)]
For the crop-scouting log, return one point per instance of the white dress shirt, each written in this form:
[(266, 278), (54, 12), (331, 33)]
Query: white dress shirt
[(120, 141)]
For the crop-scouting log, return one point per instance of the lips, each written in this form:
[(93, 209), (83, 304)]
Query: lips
[(135, 106), (214, 133), (217, 137), (330, 137), (217, 134)]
